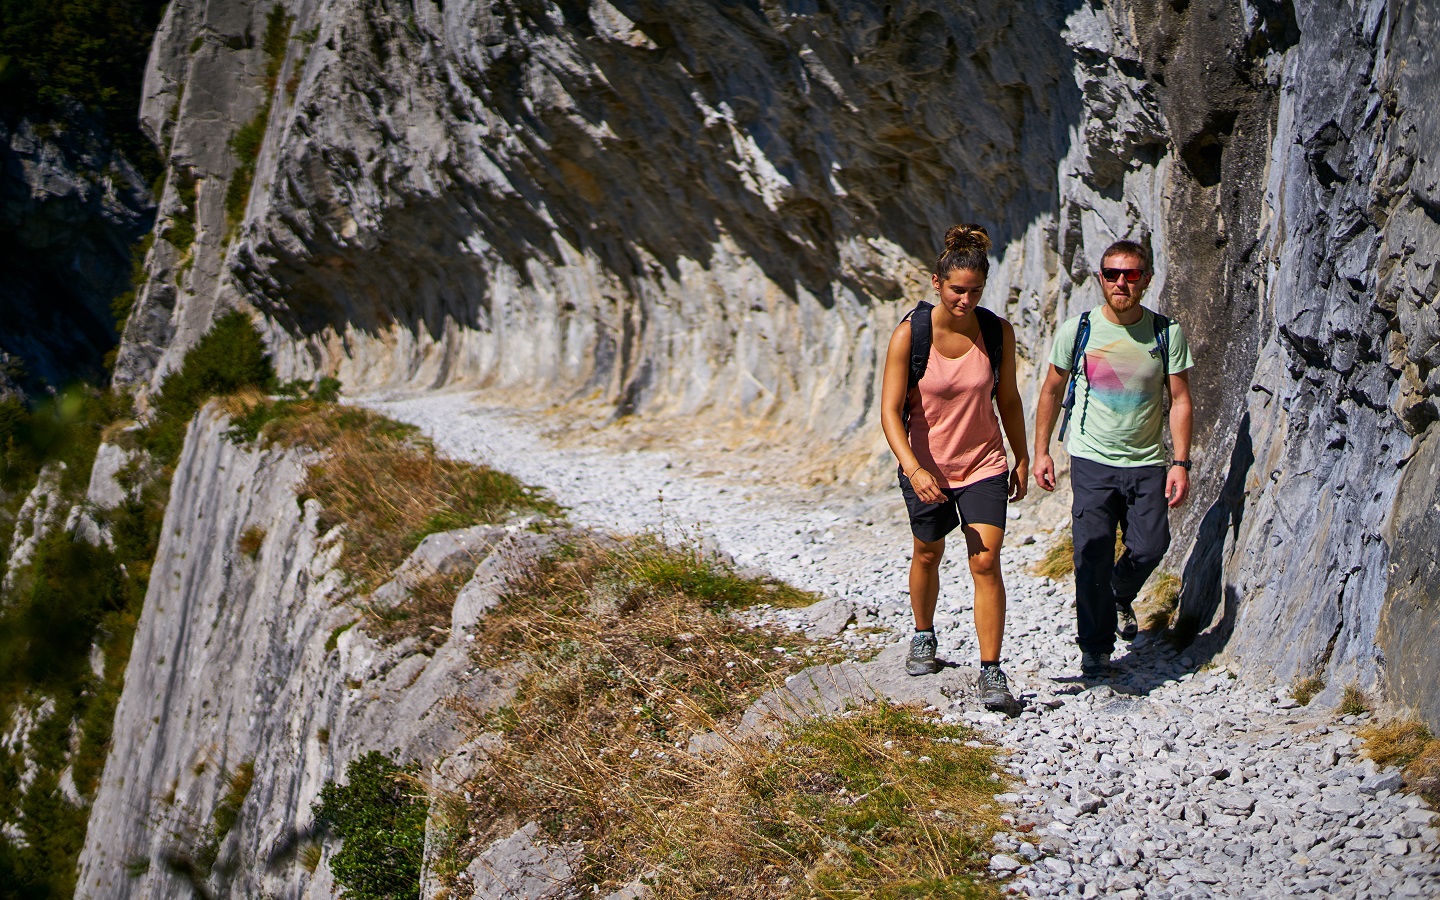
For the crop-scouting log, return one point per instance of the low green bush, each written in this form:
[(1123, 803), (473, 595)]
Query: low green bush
[(229, 357), (379, 815)]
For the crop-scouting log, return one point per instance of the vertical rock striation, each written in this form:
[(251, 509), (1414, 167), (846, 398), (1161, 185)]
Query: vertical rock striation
[(245, 657)]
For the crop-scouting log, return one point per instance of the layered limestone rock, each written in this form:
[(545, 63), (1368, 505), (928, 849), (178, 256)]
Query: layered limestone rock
[(682, 207), (246, 656)]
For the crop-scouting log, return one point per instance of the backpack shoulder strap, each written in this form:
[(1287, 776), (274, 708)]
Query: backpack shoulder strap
[(993, 333), (921, 336), (1162, 338), (1082, 337)]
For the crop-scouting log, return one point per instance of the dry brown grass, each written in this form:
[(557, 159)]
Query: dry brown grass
[(1161, 601), (425, 614), (1395, 743), (624, 662), (1407, 743), (1353, 701), (1306, 688), (381, 480), (250, 541), (1059, 559)]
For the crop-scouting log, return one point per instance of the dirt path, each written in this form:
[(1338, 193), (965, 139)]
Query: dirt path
[(1158, 782)]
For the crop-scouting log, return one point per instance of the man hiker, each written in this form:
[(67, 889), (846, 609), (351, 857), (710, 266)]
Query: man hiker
[(1113, 365)]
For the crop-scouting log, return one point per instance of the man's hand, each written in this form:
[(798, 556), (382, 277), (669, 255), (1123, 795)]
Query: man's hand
[(926, 488), (1019, 480), (1045, 471), (1177, 486)]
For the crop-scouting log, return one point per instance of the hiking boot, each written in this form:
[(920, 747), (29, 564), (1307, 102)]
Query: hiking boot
[(921, 660), (994, 690), (1094, 665), (1125, 624)]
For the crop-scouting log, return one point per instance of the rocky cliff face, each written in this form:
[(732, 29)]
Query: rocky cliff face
[(244, 659), (681, 207)]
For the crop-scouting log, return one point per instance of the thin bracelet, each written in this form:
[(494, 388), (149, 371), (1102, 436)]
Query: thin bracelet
[(911, 476)]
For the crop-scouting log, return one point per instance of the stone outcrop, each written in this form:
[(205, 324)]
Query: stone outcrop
[(258, 661), (682, 207), (71, 206)]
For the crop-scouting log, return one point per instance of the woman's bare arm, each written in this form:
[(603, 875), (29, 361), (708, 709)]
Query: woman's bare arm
[(893, 391)]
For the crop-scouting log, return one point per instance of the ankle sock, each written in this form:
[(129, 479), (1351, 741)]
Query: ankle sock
[(930, 630), (989, 665)]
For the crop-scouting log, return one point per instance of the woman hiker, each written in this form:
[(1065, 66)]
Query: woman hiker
[(938, 409)]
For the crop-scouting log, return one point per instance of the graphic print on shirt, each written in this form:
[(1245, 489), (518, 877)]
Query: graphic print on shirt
[(1122, 375)]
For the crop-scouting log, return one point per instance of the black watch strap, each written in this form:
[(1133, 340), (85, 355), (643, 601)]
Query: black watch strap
[(1182, 463)]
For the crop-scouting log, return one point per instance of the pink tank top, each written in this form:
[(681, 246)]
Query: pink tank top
[(953, 427)]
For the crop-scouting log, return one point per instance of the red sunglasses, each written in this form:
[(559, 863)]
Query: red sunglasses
[(1131, 275)]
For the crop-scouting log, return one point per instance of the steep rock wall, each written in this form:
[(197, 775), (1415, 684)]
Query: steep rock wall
[(687, 206), (676, 207), (238, 660)]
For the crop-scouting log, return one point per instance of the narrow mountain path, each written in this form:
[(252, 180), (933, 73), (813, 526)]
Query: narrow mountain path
[(1159, 782)]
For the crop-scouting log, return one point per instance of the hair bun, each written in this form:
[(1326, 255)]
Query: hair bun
[(967, 238)]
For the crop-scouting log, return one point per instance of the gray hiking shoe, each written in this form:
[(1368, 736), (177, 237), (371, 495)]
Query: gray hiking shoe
[(994, 690), (1125, 624), (1094, 665), (921, 660)]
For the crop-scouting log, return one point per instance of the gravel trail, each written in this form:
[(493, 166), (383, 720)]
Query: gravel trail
[(1160, 782)]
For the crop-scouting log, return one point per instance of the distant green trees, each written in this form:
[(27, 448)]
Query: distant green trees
[(90, 51)]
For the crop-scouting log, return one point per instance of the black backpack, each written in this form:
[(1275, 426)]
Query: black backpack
[(921, 336), (1082, 337)]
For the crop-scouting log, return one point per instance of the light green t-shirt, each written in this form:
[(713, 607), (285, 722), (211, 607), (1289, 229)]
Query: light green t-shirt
[(1118, 417)]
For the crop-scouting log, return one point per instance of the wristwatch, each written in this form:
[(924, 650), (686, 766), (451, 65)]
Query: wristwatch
[(1182, 463)]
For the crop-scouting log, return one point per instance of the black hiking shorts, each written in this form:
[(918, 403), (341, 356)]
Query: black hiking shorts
[(981, 503)]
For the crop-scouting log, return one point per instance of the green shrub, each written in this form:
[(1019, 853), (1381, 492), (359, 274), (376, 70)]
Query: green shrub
[(277, 36), (379, 815), (180, 232), (53, 52), (122, 304), (229, 357)]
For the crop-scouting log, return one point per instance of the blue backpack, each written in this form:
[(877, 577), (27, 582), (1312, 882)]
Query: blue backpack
[(1082, 337)]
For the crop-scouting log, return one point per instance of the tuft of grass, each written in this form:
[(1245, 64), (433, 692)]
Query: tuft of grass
[(226, 815), (1161, 602), (228, 812), (628, 651), (379, 815), (1059, 560), (383, 482), (1397, 742), (310, 855), (333, 640), (250, 541), (181, 231), (1422, 775), (1306, 688), (1407, 743), (1353, 701)]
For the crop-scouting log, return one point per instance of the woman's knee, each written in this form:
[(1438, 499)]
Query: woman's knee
[(929, 555), (985, 564)]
